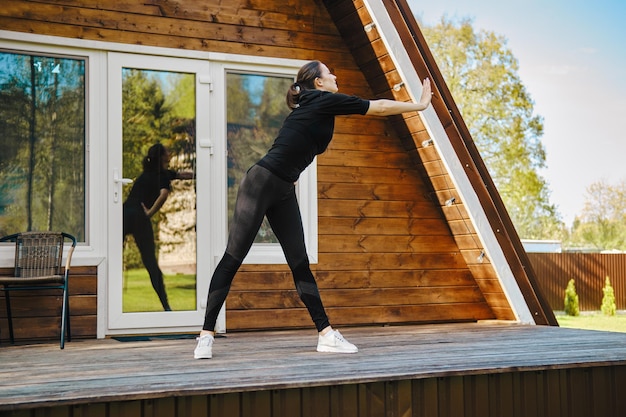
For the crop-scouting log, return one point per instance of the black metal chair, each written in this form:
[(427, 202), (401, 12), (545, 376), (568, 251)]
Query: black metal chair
[(39, 266)]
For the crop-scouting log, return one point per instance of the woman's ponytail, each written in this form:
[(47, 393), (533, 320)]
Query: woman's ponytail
[(305, 80), (293, 96)]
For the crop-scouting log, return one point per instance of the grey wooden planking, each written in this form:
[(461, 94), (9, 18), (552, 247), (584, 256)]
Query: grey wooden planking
[(109, 370)]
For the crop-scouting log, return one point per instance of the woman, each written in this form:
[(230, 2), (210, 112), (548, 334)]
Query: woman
[(268, 190), (149, 193)]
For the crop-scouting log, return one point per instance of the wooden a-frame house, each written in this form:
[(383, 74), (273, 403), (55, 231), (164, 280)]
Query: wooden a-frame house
[(413, 249), (409, 225)]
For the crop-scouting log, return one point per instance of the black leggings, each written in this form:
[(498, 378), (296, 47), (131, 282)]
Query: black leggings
[(138, 224), (262, 193)]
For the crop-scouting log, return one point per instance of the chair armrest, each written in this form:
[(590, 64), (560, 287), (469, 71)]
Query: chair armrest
[(68, 260)]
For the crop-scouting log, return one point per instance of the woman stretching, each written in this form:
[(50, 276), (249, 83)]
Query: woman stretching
[(268, 190), (149, 193)]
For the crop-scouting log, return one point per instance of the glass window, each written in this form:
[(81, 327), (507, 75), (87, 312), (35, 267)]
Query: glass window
[(255, 111), (158, 108), (42, 142)]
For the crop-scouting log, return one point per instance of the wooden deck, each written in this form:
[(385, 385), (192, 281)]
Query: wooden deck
[(111, 371)]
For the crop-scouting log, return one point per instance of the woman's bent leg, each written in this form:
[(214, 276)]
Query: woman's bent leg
[(218, 290), (144, 238), (286, 222)]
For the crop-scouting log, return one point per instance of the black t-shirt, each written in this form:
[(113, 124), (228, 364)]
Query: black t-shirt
[(307, 131), (148, 186)]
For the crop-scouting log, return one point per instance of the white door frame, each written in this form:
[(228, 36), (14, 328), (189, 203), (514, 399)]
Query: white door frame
[(119, 322)]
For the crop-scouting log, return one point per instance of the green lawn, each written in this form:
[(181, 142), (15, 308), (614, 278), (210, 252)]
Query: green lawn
[(594, 320), (140, 296)]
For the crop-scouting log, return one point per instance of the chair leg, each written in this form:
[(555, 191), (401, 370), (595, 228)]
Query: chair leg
[(7, 299), (64, 316), (67, 316), (67, 313)]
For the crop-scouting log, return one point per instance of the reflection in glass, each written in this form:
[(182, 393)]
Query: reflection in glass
[(42, 144), (255, 111), (158, 110)]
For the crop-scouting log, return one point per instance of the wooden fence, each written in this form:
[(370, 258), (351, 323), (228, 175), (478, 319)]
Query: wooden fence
[(588, 270)]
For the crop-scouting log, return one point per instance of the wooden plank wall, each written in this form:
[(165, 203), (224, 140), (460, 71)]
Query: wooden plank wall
[(577, 392), (373, 58), (387, 254), (588, 270), (462, 228), (37, 314)]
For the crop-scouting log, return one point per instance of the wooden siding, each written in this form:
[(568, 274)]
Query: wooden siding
[(374, 60), (588, 270), (37, 314), (549, 393)]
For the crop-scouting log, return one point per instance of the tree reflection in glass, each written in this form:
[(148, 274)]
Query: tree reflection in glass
[(42, 142), (255, 111), (159, 107)]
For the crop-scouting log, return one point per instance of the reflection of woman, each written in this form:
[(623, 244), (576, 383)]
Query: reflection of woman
[(147, 196), (268, 190)]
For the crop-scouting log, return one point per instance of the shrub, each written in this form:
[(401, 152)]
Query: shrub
[(571, 299), (608, 301)]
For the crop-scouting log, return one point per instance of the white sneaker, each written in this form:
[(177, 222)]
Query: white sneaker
[(334, 342), (204, 350)]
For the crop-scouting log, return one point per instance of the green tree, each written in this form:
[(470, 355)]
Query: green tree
[(571, 305), (608, 300), (42, 163), (146, 118), (256, 109), (602, 223), (482, 74), (160, 107), (180, 99)]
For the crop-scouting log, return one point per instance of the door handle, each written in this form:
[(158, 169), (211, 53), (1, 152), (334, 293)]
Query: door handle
[(206, 143), (118, 180), (123, 181)]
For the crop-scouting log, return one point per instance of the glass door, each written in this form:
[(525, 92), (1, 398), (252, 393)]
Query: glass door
[(154, 154)]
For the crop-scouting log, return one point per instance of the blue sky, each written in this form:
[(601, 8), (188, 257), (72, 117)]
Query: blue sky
[(572, 58)]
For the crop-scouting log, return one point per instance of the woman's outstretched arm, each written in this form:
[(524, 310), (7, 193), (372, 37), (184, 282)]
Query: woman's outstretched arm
[(385, 107)]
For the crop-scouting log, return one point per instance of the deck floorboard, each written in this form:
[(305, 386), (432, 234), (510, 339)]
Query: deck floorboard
[(112, 370)]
